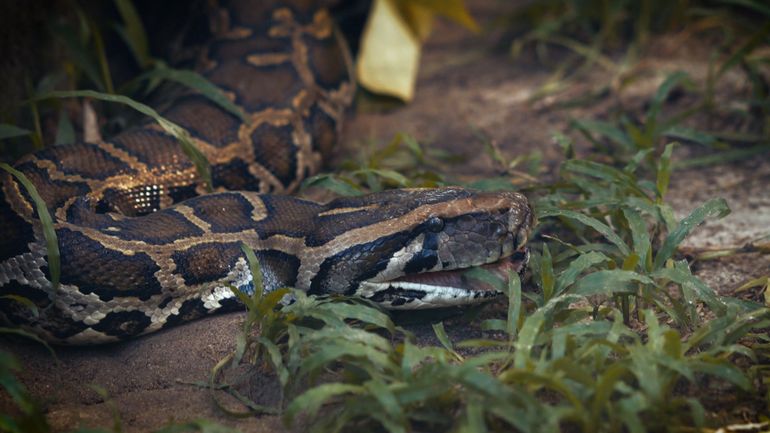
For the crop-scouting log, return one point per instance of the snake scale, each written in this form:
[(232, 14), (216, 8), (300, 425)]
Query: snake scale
[(144, 247)]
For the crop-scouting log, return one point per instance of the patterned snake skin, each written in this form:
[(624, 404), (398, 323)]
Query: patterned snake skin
[(143, 247)]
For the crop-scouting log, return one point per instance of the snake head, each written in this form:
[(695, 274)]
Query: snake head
[(416, 245)]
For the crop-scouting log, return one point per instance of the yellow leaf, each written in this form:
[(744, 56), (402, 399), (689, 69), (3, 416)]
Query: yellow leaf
[(419, 18), (453, 9), (389, 54)]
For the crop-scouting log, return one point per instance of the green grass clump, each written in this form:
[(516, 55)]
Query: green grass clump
[(568, 356), (610, 37), (594, 28), (551, 364), (614, 333)]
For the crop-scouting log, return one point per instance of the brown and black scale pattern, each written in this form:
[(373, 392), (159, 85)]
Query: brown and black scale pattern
[(282, 63), (143, 247)]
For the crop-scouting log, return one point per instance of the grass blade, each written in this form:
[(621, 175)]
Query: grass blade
[(133, 33), (11, 131), (594, 223), (514, 305), (608, 282), (197, 82), (188, 147), (740, 54), (49, 232), (664, 172), (714, 208), (311, 400)]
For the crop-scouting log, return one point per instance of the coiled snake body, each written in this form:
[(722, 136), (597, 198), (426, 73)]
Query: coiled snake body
[(142, 247)]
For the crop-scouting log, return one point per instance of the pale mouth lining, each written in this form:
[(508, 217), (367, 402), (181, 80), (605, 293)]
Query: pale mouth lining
[(442, 289)]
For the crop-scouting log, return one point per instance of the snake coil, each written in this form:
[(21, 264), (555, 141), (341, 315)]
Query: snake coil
[(143, 247)]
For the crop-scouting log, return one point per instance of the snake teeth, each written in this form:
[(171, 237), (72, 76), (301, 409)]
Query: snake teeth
[(404, 295), (441, 289)]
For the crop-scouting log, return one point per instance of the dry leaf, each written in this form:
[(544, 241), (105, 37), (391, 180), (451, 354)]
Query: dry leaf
[(91, 133), (390, 52), (419, 18), (453, 9)]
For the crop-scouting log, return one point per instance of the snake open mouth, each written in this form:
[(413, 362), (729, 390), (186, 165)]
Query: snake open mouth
[(443, 288)]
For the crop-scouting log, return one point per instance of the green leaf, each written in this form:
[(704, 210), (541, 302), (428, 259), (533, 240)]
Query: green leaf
[(485, 276), (757, 39), (412, 144), (392, 175), (605, 385), (333, 184), (28, 335), (311, 400), (597, 225), (11, 131), (501, 183), (566, 144), (605, 172), (714, 208), (637, 159), (639, 234), (680, 274), (671, 81), (25, 302), (723, 370), (196, 82), (331, 353), (472, 420), (723, 157), (360, 312), (494, 324), (514, 305), (691, 135), (443, 338), (49, 232), (527, 336), (664, 171), (576, 267), (387, 400), (605, 129), (133, 33), (697, 412), (608, 282), (275, 359), (547, 278)]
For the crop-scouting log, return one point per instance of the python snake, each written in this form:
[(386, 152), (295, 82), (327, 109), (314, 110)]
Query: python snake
[(143, 246)]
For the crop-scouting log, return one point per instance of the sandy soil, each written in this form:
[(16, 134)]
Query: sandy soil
[(465, 83)]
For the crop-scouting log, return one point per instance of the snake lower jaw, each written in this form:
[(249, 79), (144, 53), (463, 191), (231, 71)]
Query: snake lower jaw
[(443, 289)]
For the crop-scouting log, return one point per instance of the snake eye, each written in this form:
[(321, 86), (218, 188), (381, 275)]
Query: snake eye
[(499, 230), (435, 224)]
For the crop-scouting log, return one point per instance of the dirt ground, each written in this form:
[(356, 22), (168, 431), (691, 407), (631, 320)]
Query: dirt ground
[(466, 82)]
